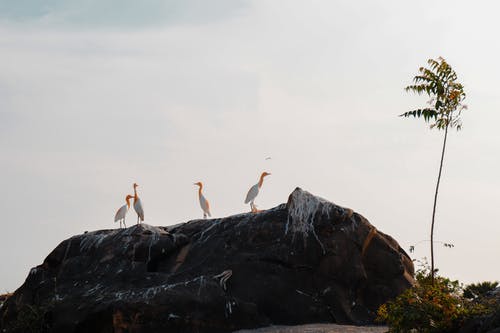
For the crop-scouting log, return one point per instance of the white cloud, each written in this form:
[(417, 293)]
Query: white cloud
[(124, 14)]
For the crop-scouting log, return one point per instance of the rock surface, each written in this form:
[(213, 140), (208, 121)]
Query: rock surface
[(319, 328), (3, 298), (307, 261)]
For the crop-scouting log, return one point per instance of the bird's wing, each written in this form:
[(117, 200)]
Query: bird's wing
[(138, 208), (252, 193), (120, 214), (205, 206)]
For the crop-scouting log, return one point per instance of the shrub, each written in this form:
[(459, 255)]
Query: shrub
[(429, 308), (475, 290)]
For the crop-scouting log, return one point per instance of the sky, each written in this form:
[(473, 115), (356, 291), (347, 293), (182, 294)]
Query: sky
[(98, 94)]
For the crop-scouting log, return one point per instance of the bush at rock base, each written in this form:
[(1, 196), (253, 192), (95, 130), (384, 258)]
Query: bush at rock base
[(428, 308)]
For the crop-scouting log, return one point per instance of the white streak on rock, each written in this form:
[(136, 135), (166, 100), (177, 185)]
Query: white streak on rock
[(303, 209), (173, 316), (93, 290), (146, 294), (67, 249), (155, 237), (94, 239), (202, 283), (229, 308), (214, 224)]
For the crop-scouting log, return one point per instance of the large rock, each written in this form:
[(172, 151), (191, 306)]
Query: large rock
[(304, 262)]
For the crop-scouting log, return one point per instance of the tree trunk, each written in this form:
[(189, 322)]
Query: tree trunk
[(435, 202)]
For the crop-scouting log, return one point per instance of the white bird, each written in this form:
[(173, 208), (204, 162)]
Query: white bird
[(122, 212), (254, 191), (138, 206), (205, 206)]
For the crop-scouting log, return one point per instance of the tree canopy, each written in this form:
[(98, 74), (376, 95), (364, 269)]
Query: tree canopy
[(439, 82)]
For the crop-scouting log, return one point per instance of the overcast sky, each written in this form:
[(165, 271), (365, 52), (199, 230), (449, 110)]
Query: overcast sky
[(99, 94)]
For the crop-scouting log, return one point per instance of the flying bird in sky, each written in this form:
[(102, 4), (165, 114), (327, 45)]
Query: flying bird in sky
[(205, 206), (254, 191), (122, 212), (138, 206)]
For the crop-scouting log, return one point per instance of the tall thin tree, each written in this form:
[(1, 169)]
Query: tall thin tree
[(439, 82)]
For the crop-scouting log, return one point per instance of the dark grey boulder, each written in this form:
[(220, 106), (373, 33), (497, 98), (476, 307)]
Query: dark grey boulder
[(302, 262)]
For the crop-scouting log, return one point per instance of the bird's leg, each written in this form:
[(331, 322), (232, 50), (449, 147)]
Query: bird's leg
[(137, 218), (124, 225), (204, 215), (254, 208)]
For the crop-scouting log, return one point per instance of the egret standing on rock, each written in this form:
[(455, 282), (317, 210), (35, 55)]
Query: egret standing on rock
[(138, 206), (122, 212), (205, 206), (254, 191)]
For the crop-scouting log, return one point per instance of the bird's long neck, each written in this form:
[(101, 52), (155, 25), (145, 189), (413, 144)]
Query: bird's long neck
[(261, 181), (199, 191), (128, 202), (135, 194)]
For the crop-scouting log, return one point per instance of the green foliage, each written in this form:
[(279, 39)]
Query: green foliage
[(429, 307), (475, 290), (439, 82)]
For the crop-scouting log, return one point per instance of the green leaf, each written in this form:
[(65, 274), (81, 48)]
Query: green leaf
[(427, 114), (438, 81)]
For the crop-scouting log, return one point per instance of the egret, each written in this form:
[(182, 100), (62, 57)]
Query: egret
[(254, 191), (138, 206), (122, 212), (205, 206)]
